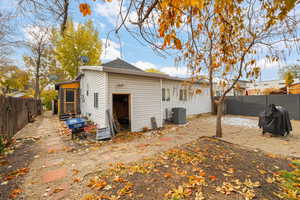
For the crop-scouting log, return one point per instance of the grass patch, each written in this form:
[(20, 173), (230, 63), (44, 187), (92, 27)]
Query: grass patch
[(290, 181)]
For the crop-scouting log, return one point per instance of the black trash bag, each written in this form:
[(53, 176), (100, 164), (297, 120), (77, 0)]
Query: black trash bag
[(275, 120)]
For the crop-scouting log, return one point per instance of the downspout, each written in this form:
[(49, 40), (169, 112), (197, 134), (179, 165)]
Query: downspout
[(107, 100), (161, 106)]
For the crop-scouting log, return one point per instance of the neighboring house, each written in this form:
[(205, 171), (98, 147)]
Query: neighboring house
[(294, 88), (237, 91), (18, 94), (133, 96), (260, 87)]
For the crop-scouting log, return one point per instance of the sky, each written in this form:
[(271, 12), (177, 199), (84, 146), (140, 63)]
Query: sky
[(124, 46)]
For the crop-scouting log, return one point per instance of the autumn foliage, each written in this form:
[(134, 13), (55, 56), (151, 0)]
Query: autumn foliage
[(85, 9)]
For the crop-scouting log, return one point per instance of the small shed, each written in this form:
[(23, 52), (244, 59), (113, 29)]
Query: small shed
[(68, 98)]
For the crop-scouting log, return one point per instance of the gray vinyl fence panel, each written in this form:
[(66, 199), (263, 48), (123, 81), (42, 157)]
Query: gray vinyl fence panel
[(253, 105)]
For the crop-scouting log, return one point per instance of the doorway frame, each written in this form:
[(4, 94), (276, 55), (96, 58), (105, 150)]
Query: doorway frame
[(74, 102), (129, 105)]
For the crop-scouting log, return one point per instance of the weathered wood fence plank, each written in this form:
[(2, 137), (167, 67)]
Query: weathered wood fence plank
[(15, 113)]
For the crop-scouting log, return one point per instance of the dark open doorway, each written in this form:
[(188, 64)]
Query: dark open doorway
[(121, 110)]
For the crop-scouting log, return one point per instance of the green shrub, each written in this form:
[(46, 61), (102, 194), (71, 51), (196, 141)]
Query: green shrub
[(47, 96)]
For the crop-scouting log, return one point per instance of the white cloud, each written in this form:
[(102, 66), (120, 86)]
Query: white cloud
[(265, 63), (175, 71), (111, 50), (144, 65), (170, 70), (110, 10)]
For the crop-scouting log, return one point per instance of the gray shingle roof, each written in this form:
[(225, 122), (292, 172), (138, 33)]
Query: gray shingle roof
[(118, 63)]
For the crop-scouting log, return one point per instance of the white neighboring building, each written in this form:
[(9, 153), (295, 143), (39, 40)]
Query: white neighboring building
[(219, 90), (135, 96)]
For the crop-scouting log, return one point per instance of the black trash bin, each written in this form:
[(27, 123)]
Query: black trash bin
[(179, 115)]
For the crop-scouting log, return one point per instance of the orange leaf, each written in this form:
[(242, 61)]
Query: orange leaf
[(85, 9), (202, 173), (167, 175), (75, 171), (76, 180), (177, 43), (14, 193), (57, 190), (213, 178)]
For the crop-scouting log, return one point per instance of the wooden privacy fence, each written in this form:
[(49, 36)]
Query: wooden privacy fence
[(15, 113)]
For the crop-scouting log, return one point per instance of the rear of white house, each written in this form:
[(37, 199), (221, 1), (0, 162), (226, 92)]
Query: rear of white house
[(134, 96)]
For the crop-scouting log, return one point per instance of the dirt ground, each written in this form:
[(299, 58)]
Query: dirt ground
[(60, 166), (206, 168)]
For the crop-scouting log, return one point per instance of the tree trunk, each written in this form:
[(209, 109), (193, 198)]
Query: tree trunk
[(211, 91), (65, 17), (37, 78), (219, 120), (37, 87)]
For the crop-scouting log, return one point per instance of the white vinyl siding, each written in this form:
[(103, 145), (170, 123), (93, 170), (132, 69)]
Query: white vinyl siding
[(93, 83), (145, 95), (145, 98), (194, 103)]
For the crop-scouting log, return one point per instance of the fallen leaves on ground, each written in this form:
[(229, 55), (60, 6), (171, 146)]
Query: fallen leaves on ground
[(190, 172), (18, 172), (3, 162), (245, 188), (199, 196), (75, 171), (51, 151), (15, 193), (76, 180), (57, 190), (97, 183)]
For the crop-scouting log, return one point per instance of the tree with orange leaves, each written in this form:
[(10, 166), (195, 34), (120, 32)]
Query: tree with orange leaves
[(221, 38)]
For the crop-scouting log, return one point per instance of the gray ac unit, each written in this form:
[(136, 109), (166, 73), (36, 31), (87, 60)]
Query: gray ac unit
[(179, 115)]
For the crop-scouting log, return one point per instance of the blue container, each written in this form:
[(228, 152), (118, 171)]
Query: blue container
[(76, 123)]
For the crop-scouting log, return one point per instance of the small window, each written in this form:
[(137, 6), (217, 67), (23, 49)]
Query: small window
[(96, 100), (183, 94), (87, 90), (70, 96), (166, 94)]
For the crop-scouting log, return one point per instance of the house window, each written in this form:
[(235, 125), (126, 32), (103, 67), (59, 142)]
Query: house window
[(70, 96), (96, 100), (87, 90), (183, 94), (166, 94)]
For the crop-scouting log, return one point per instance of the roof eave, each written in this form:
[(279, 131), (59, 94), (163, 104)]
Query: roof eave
[(64, 82), (132, 72)]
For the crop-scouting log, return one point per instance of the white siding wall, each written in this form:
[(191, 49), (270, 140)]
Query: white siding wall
[(145, 97), (195, 104), (94, 82), (145, 94)]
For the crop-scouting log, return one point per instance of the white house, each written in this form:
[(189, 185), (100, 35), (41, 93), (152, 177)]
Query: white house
[(134, 96)]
